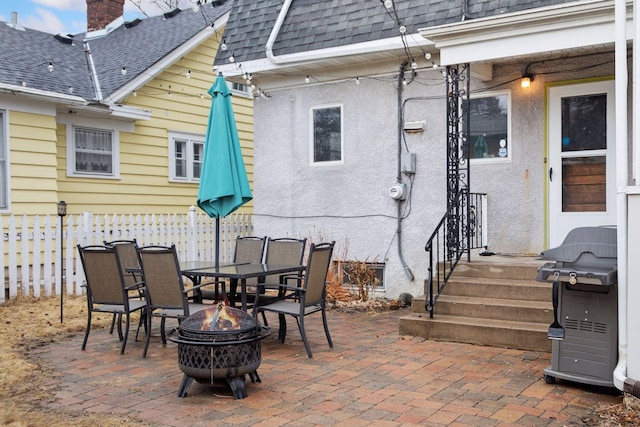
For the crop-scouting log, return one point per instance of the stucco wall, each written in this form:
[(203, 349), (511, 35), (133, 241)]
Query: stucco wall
[(349, 203)]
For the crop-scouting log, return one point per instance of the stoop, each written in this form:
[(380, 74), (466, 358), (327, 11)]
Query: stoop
[(492, 301)]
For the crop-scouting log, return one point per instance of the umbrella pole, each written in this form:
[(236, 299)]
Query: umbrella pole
[(217, 242)]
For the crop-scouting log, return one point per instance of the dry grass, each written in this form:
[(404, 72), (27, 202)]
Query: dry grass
[(24, 385)]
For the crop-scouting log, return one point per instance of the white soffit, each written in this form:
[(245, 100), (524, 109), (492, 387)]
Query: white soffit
[(561, 27)]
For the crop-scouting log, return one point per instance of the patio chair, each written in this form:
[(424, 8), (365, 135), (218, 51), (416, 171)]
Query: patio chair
[(249, 249), (281, 251), (106, 288), (127, 252), (311, 296), (164, 288)]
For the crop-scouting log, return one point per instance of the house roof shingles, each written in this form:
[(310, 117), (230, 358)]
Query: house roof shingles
[(24, 55), (320, 24)]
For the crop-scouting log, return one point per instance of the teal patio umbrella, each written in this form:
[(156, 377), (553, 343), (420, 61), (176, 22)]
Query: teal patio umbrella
[(224, 185)]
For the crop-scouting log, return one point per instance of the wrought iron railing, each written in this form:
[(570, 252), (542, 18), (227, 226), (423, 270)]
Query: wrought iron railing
[(446, 246)]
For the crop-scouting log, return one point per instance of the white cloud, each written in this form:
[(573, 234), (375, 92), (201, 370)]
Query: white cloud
[(43, 20), (79, 5)]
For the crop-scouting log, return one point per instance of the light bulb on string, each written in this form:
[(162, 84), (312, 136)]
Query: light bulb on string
[(402, 29), (123, 71), (196, 7), (223, 46), (414, 65), (50, 67), (307, 79), (232, 58), (427, 56), (357, 80), (404, 82), (388, 4), (188, 75), (134, 93)]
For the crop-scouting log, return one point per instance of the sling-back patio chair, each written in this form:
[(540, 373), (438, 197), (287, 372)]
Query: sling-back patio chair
[(165, 292), (281, 251), (248, 249), (311, 296), (127, 252), (107, 291)]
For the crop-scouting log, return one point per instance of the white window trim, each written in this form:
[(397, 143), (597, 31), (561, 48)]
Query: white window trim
[(115, 126), (311, 135), (191, 137), (507, 159), (71, 153), (7, 178), (246, 93)]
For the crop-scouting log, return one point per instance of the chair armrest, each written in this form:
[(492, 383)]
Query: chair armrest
[(195, 288), (137, 285)]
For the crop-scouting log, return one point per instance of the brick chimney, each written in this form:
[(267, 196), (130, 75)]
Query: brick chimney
[(101, 13)]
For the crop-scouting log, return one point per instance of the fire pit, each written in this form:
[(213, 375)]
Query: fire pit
[(219, 343)]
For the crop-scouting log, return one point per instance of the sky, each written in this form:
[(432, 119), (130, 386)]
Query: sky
[(70, 16)]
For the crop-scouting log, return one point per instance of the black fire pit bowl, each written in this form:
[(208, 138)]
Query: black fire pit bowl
[(212, 354)]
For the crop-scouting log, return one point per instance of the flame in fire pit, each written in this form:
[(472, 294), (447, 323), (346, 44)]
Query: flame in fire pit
[(220, 320)]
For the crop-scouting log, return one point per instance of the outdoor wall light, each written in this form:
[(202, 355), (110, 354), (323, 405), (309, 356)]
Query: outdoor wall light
[(526, 80)]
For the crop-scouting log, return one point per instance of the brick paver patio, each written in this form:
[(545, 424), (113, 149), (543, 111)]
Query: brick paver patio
[(372, 376)]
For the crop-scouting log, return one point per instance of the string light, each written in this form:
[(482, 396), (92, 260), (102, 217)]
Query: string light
[(188, 75), (124, 71), (414, 65), (223, 45), (50, 67), (402, 29), (232, 58), (196, 7), (427, 56), (357, 80), (388, 4), (307, 79), (134, 93)]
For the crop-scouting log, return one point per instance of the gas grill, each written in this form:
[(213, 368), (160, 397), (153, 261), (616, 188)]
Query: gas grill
[(584, 273)]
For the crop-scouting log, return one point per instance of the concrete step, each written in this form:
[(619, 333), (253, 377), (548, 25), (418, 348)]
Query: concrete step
[(497, 288), (500, 267), (498, 333), (491, 308), (492, 301)]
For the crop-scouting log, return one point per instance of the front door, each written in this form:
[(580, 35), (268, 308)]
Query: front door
[(581, 168)]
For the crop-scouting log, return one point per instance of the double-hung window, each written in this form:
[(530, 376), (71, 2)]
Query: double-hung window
[(4, 167), (489, 124), (185, 156), (326, 135), (94, 152)]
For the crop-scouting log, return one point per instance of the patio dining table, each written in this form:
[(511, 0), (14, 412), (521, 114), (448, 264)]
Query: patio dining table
[(238, 273)]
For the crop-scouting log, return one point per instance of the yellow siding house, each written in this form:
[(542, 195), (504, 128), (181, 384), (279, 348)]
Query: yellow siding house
[(111, 121)]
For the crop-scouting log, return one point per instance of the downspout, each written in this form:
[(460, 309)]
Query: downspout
[(275, 31), (407, 270), (620, 379)]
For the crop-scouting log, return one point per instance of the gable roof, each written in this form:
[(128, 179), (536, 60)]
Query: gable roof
[(312, 25), (91, 68)]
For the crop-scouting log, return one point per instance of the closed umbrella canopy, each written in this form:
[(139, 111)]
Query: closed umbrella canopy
[(224, 185)]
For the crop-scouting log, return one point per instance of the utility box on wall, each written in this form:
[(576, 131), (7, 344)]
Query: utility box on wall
[(408, 163)]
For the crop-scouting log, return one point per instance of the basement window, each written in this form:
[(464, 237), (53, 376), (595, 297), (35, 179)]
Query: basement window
[(352, 272)]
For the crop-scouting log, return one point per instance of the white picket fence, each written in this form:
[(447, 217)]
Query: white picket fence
[(32, 249)]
